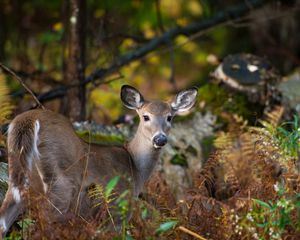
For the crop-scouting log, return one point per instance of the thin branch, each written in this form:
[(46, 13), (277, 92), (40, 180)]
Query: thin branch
[(195, 235), (14, 75), (221, 17), (248, 22)]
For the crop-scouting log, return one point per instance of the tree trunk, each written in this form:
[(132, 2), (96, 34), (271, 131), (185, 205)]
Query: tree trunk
[(2, 34), (75, 74)]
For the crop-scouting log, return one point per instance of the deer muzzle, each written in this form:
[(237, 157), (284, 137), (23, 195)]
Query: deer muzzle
[(159, 140)]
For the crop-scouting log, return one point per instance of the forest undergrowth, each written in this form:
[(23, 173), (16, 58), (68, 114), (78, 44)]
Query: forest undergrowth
[(247, 189)]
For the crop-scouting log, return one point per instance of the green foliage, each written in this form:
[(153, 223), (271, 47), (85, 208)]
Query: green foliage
[(25, 223), (164, 227), (100, 138), (288, 136), (110, 186), (179, 159), (219, 100), (270, 220), (123, 210), (107, 102), (14, 236), (124, 26), (105, 196), (119, 204)]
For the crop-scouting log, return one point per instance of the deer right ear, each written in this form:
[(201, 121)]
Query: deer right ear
[(131, 97), (184, 100)]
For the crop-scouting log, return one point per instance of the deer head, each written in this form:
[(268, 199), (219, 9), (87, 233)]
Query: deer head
[(156, 116)]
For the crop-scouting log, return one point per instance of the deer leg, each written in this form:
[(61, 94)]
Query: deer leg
[(11, 208), (13, 203), (60, 195)]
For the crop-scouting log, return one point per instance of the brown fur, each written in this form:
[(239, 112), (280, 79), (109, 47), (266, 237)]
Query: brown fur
[(157, 108), (47, 158)]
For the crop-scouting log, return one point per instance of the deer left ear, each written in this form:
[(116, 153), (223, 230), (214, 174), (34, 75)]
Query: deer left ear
[(131, 97), (184, 100)]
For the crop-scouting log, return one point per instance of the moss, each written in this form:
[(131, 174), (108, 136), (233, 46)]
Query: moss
[(218, 100), (192, 150), (100, 138), (179, 159)]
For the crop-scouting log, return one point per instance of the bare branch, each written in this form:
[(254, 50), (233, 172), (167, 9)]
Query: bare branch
[(221, 17), (14, 75)]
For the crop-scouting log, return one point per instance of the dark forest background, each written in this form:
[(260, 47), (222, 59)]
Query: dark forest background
[(75, 54)]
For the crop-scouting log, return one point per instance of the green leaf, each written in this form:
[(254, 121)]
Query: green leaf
[(263, 204), (164, 227), (122, 196), (128, 237), (25, 223), (111, 185), (144, 213), (123, 204), (262, 225), (179, 159)]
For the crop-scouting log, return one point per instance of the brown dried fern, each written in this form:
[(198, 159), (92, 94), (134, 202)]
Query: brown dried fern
[(274, 117)]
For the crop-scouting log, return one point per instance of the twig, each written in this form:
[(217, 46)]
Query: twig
[(248, 21), (184, 229), (13, 74)]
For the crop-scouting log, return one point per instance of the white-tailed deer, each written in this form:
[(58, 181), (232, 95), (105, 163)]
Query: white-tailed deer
[(45, 154)]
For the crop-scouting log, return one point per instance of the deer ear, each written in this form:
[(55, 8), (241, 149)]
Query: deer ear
[(184, 100), (131, 97)]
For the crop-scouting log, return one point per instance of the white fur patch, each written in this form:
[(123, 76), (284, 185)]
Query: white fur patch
[(3, 224), (34, 155), (45, 186), (10, 127), (16, 194)]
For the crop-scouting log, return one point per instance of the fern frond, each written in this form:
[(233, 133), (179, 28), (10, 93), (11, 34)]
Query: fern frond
[(6, 106), (224, 141), (274, 116)]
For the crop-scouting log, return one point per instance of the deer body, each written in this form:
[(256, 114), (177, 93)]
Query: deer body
[(46, 156)]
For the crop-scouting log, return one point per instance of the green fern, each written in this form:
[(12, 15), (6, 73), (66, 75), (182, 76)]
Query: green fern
[(104, 196)]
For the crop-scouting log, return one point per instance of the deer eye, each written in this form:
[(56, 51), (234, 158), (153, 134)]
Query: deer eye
[(169, 118), (146, 118)]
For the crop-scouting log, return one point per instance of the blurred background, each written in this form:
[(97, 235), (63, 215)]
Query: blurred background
[(56, 45)]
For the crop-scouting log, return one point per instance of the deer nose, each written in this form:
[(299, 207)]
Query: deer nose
[(160, 140)]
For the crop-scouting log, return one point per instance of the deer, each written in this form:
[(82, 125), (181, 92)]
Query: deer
[(45, 154)]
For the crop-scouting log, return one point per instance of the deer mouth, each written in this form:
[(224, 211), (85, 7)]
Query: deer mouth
[(156, 146)]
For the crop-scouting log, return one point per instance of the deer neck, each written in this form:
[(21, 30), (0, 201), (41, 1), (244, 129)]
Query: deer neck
[(143, 154)]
